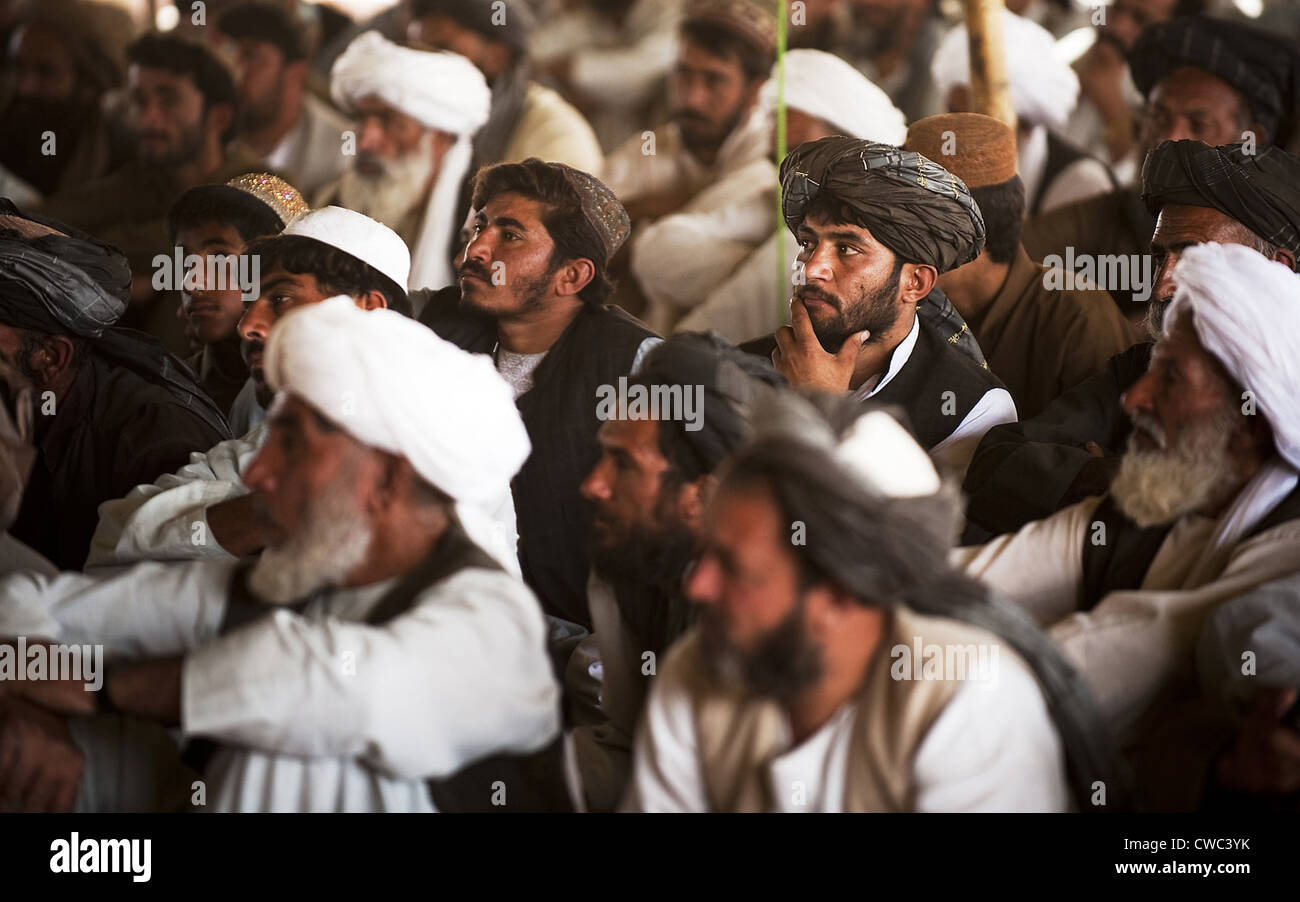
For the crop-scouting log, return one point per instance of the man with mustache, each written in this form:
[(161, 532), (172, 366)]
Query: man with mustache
[(714, 151), (416, 114), (532, 291), (877, 225), (183, 108), (1028, 470), (798, 689), (205, 510), (213, 224), (374, 646), (649, 490), (1206, 504)]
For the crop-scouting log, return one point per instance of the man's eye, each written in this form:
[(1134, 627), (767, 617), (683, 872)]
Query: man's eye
[(510, 236), (847, 249)]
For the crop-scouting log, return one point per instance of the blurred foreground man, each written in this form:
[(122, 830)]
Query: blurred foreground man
[(854, 671), (374, 645), (1206, 504), (649, 490)]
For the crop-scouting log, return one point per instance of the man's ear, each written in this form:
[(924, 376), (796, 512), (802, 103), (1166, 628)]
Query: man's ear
[(52, 360), (371, 300), (916, 281), (295, 76), (693, 500), (574, 276), (219, 118), (1285, 256)]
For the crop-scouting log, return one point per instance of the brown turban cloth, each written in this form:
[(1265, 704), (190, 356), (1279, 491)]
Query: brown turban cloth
[(913, 206), (983, 149), (1264, 68), (1261, 191), (749, 20)]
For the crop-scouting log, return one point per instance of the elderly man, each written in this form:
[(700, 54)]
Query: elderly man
[(1044, 90), (877, 225), (649, 490), (417, 112), (114, 408), (183, 107), (373, 646), (532, 290), (1038, 339), (210, 225), (1206, 504), (732, 289), (798, 690), (527, 119), (1204, 79), (725, 52), (294, 132), (206, 509), (1028, 470)]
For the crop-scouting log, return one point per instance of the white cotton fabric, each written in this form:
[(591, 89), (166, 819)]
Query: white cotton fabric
[(444, 92), (823, 85), (394, 385), (1246, 311), (886, 459), (370, 241), (1044, 89)]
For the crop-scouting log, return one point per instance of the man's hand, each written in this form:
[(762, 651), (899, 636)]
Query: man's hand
[(800, 357), (40, 765), (65, 696), (237, 527), (1265, 759)]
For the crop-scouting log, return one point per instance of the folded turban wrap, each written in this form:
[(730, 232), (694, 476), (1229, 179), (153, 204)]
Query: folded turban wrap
[(60, 281), (394, 385), (1044, 89), (1265, 68), (732, 381), (871, 487), (1246, 312), (821, 84), (915, 207), (1261, 190), (443, 92)]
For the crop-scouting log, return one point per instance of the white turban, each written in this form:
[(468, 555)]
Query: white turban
[(823, 85), (1246, 312), (1044, 89), (444, 92), (393, 384), (370, 241)]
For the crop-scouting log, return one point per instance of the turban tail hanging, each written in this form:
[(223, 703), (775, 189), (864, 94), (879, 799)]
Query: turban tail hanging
[(913, 206)]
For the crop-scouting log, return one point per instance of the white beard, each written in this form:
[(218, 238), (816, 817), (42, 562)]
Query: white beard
[(1159, 486), (391, 196), (334, 540)]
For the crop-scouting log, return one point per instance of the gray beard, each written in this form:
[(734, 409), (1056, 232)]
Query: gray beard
[(1159, 486), (391, 196), (334, 540)]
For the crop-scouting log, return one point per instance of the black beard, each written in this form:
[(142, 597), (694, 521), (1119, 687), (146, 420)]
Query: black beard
[(531, 293), (697, 145), (187, 148), (784, 664), (876, 312)]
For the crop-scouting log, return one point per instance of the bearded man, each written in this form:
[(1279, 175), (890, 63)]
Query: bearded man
[(797, 690), (374, 646), (1206, 504), (417, 112)]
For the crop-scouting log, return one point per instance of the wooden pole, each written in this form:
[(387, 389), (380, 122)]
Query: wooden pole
[(988, 65)]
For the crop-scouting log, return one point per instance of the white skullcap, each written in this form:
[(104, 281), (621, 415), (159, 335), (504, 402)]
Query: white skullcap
[(1246, 312), (823, 85), (441, 90), (886, 459), (354, 233), (1044, 89), (394, 385)]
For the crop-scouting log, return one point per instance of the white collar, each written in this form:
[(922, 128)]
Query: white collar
[(1033, 160), (897, 361)]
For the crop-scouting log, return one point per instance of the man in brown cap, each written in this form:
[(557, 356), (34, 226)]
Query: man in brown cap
[(531, 292), (1039, 340)]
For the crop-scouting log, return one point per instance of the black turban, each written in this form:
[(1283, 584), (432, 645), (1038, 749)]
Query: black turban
[(732, 381), (1261, 191), (915, 207), (511, 23), (1264, 68)]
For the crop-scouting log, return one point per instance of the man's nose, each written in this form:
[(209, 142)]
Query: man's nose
[(1164, 289), (596, 486), (255, 324), (704, 584), (1138, 397)]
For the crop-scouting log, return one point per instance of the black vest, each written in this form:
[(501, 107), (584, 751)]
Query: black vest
[(1121, 561), (535, 781), (559, 412), (936, 388)]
